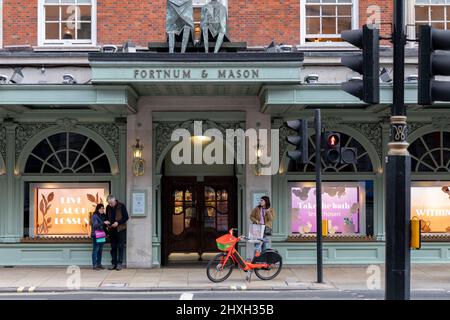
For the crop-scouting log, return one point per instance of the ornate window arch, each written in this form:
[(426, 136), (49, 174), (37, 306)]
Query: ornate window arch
[(431, 152), (364, 162), (68, 153)]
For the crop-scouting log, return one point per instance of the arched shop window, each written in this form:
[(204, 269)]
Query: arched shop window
[(430, 166), (431, 152), (67, 175), (67, 153), (347, 198)]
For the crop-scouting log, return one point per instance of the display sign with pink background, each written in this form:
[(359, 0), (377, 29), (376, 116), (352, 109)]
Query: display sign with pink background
[(340, 206)]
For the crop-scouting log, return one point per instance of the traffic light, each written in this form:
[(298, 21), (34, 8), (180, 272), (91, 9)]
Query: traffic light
[(300, 141), (367, 64), (432, 64), (335, 154), (332, 148)]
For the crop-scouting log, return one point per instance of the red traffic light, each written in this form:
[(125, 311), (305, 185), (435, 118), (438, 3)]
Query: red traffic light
[(333, 140)]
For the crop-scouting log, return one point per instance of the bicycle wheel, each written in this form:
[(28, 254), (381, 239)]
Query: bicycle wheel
[(273, 269), (216, 271)]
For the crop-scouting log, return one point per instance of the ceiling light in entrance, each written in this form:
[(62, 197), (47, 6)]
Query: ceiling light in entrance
[(201, 139)]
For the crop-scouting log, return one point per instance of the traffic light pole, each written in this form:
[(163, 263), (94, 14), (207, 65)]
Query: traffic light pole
[(318, 128), (398, 175)]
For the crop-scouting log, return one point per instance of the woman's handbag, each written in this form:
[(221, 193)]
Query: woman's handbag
[(100, 236), (267, 231)]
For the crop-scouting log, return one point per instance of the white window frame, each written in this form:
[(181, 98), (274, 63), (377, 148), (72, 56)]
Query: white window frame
[(66, 43), (355, 25), (411, 17)]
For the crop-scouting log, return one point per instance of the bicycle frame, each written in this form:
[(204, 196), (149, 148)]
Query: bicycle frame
[(234, 255)]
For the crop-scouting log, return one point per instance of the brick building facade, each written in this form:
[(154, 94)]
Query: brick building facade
[(255, 22)]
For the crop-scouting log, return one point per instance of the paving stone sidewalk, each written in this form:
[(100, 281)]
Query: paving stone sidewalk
[(24, 279)]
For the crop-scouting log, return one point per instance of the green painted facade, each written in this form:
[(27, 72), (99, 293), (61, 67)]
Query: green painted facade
[(115, 94)]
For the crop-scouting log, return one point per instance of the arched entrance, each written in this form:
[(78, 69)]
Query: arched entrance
[(199, 203)]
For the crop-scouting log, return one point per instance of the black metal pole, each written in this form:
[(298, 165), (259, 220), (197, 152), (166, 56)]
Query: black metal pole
[(398, 176), (318, 127)]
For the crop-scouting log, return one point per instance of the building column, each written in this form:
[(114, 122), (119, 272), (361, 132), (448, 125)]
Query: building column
[(139, 234), (256, 183), (10, 228)]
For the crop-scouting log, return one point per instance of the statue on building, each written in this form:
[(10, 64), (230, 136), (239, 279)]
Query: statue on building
[(179, 21), (214, 23)]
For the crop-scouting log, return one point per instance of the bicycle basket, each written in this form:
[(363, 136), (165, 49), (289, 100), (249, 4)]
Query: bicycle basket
[(225, 242)]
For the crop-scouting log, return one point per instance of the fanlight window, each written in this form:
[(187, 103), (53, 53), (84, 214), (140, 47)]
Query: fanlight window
[(364, 163), (431, 152), (68, 153)]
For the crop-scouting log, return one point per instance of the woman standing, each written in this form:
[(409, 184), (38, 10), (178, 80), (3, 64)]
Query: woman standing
[(98, 224), (264, 215)]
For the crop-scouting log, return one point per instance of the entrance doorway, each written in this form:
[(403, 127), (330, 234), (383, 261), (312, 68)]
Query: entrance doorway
[(195, 213)]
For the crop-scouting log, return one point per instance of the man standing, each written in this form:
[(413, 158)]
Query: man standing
[(117, 216)]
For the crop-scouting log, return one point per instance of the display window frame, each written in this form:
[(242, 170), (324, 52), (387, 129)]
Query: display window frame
[(332, 183), (34, 186), (430, 183)]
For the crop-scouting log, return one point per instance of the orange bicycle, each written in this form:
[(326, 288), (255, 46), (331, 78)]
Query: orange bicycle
[(266, 265)]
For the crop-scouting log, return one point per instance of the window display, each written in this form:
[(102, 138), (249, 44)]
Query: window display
[(64, 209), (430, 202), (343, 205)]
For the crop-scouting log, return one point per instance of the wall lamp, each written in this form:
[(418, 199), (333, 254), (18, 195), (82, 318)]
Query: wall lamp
[(138, 159)]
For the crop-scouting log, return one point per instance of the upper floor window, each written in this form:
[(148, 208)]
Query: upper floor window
[(66, 22), (324, 20), (198, 5), (433, 12)]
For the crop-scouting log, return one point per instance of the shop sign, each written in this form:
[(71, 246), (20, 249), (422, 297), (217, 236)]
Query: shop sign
[(341, 205), (196, 74), (60, 212)]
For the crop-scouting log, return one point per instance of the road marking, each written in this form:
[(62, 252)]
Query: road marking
[(186, 296), (20, 289), (31, 289)]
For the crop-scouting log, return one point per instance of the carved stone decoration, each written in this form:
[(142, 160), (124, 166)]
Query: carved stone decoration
[(67, 124), (26, 131), (441, 123), (179, 20), (413, 126), (331, 122), (373, 132), (108, 131), (3, 142), (162, 131), (214, 24)]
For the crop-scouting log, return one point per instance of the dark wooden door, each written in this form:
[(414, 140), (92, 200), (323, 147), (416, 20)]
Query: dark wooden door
[(196, 213)]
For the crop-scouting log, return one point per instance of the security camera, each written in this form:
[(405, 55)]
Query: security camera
[(109, 48), (3, 79), (69, 79)]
